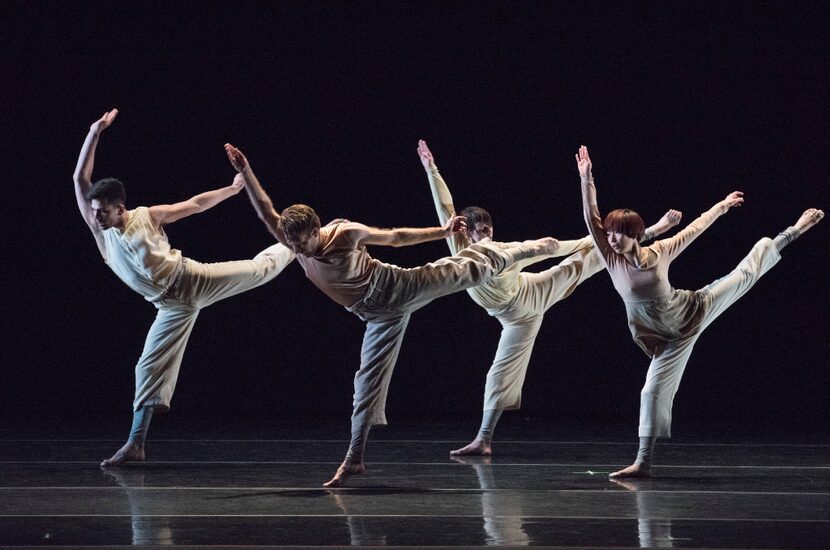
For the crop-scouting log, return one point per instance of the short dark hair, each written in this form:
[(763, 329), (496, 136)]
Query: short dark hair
[(297, 220), (625, 221), (475, 215), (109, 190)]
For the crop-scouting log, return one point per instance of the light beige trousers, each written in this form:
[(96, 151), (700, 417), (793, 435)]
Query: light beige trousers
[(198, 286), (394, 294), (667, 365), (520, 324)]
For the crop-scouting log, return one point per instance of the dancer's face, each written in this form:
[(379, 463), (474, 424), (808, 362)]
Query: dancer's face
[(481, 231), (620, 242), (306, 243), (106, 214)]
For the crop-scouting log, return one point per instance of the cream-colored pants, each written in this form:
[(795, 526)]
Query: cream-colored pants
[(521, 323), (199, 285), (394, 294), (667, 365)]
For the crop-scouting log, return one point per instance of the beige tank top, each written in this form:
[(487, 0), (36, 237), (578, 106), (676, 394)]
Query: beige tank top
[(340, 269), (141, 256)]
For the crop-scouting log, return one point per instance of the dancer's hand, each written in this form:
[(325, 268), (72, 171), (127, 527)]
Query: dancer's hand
[(670, 219), (583, 163), (237, 159), (735, 198), (455, 224), (426, 155), (238, 183), (104, 122)]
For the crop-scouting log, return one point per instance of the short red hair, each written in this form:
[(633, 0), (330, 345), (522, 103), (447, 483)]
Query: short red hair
[(625, 221)]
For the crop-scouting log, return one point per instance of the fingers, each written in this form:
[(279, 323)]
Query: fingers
[(582, 156), (735, 198), (423, 150), (229, 152), (235, 156)]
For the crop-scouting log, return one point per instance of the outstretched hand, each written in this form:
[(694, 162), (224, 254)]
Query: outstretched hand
[(237, 159), (671, 218), (426, 155), (104, 122), (455, 224), (238, 183), (735, 198), (583, 162)]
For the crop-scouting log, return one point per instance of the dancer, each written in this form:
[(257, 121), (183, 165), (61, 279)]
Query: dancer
[(518, 300), (134, 245), (666, 322), (382, 295)]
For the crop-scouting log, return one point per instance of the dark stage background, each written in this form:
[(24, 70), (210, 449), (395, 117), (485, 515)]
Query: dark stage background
[(679, 106)]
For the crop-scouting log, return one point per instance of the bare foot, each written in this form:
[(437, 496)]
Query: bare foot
[(478, 447), (130, 452), (635, 470), (808, 219), (346, 470)]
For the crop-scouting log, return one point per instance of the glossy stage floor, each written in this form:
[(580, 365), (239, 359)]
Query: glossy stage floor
[(544, 487)]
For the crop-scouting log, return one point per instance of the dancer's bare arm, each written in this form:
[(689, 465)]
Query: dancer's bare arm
[(164, 214), (676, 244), (259, 198), (83, 174), (360, 234)]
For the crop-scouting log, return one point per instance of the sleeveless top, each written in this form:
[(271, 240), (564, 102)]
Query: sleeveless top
[(340, 269), (140, 255)]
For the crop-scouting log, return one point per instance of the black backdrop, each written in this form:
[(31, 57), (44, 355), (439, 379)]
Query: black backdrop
[(679, 105)]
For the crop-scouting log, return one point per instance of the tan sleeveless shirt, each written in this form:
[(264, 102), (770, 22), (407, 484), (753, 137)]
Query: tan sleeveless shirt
[(340, 269), (141, 256)]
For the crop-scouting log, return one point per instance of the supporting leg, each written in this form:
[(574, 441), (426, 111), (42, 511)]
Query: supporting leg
[(133, 450), (482, 444), (642, 465), (381, 346)]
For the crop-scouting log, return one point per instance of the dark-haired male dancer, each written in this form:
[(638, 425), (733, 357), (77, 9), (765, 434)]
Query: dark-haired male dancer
[(134, 245)]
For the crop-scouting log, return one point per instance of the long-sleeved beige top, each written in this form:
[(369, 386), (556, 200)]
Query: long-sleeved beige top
[(498, 293), (650, 280), (141, 256)]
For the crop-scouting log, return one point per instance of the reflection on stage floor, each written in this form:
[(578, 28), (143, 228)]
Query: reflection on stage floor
[(537, 491)]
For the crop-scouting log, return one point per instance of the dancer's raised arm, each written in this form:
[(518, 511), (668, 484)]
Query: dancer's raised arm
[(259, 198), (590, 210), (164, 214), (670, 219), (441, 197), (83, 173), (361, 235), (676, 244)]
